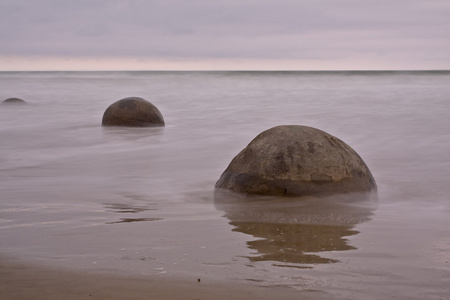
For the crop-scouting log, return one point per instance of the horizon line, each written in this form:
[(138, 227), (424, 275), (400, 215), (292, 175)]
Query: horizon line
[(242, 70)]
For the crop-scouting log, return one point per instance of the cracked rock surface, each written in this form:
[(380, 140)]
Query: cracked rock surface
[(299, 161)]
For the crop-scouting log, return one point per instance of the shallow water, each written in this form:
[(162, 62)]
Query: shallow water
[(141, 200)]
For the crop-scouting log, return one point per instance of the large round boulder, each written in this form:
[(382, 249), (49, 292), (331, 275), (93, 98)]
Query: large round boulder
[(133, 112), (299, 161), (14, 101)]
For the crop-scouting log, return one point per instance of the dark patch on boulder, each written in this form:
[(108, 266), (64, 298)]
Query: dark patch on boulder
[(299, 161), (310, 147), (129, 104), (133, 112)]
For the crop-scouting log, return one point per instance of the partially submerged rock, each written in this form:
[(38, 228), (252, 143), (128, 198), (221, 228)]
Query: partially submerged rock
[(299, 161), (133, 112), (14, 101)]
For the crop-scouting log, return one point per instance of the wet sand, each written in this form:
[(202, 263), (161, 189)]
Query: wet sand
[(19, 280)]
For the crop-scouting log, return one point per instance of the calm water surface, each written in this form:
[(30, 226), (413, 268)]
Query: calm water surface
[(141, 200)]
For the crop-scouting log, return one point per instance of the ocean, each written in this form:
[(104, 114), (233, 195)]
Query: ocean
[(140, 201)]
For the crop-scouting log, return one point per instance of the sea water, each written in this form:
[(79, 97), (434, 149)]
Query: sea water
[(140, 201)]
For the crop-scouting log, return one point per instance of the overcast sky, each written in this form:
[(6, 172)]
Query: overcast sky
[(224, 34)]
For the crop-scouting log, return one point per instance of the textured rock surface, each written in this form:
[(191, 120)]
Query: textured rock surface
[(14, 101), (134, 112), (297, 160)]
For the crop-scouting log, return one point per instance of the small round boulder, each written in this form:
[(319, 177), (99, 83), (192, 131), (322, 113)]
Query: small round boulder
[(14, 101), (299, 161), (133, 112)]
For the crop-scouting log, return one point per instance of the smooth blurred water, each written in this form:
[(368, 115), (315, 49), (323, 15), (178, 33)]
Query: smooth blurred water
[(140, 200)]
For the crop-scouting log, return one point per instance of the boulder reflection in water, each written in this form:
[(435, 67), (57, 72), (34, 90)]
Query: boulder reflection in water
[(295, 230)]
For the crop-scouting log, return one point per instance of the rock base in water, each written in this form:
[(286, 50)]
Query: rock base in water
[(133, 112), (14, 101), (299, 161)]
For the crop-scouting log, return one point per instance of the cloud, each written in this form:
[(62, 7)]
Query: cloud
[(245, 29)]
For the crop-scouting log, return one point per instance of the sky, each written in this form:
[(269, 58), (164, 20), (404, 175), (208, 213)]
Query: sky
[(224, 35)]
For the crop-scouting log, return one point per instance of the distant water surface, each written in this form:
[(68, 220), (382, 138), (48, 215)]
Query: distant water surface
[(141, 200)]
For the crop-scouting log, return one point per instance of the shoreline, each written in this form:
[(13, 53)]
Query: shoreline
[(22, 280)]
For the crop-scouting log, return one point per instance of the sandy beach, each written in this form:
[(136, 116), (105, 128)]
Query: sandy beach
[(19, 280)]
